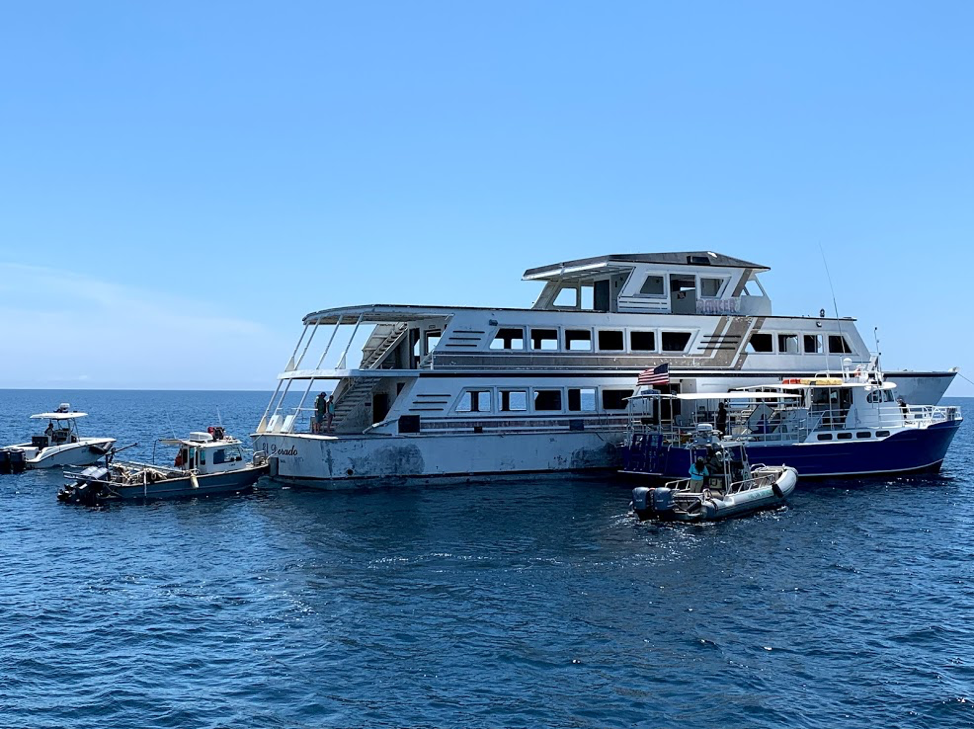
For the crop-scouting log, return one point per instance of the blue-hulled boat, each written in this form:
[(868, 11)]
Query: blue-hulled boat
[(846, 425), (206, 463)]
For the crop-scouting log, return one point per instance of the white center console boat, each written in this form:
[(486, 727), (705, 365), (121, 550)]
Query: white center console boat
[(59, 445)]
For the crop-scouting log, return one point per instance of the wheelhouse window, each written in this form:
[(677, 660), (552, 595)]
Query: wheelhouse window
[(226, 455), (567, 298), (546, 339), (710, 287), (681, 283), (839, 345), (615, 399), (513, 401), (431, 338), (588, 297), (578, 340), (508, 338), (760, 343), (581, 399), (788, 343), (813, 343), (652, 286), (642, 341), (475, 401), (674, 341), (611, 340), (547, 400)]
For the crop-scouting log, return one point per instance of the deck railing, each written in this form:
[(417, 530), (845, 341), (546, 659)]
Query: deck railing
[(789, 424)]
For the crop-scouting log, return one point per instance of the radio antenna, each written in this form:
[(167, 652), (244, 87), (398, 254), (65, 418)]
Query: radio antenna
[(835, 305)]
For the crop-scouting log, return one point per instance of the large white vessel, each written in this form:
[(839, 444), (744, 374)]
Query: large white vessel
[(458, 391)]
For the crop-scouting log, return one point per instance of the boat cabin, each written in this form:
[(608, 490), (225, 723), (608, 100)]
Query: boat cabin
[(700, 282), (209, 452)]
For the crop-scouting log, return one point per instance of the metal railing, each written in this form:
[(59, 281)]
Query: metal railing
[(789, 424)]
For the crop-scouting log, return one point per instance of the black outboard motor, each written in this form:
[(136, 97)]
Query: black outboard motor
[(88, 488), (12, 461)]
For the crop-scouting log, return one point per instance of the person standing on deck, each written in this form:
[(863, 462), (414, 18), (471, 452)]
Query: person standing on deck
[(321, 407), (721, 422), (331, 410), (698, 472)]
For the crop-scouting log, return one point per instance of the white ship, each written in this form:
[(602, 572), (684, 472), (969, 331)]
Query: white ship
[(446, 391)]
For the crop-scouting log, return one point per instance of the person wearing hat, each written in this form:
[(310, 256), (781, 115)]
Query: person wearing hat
[(321, 407), (698, 473)]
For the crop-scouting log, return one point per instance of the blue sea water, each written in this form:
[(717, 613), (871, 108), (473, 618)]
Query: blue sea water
[(531, 602)]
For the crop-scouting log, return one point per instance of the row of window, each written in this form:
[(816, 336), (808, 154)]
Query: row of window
[(583, 340), (761, 343), (846, 435), (655, 285), (542, 399), (581, 296)]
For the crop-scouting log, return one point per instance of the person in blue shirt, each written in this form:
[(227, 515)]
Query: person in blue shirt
[(698, 473)]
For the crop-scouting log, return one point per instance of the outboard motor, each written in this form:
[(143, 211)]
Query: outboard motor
[(642, 502), (17, 461), (704, 433), (93, 473), (652, 502), (86, 489)]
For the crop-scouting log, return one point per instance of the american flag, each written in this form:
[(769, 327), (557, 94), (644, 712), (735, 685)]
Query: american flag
[(657, 376)]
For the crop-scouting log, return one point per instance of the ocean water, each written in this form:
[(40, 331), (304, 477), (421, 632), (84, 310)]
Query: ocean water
[(506, 603)]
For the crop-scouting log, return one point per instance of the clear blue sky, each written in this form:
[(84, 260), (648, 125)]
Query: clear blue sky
[(182, 181)]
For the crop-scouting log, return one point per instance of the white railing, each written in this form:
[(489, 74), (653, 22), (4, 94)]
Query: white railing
[(790, 424)]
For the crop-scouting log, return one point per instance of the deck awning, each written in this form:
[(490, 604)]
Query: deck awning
[(584, 267), (392, 313), (339, 374)]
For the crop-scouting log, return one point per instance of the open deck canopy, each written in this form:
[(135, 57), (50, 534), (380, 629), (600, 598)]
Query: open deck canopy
[(391, 313), (626, 261)]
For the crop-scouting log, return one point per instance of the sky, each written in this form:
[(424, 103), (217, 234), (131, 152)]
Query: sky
[(181, 182)]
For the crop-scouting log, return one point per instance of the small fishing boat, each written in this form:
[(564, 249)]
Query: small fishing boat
[(730, 487), (59, 445), (206, 463)]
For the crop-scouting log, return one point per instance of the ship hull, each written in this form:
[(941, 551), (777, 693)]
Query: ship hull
[(348, 461), (912, 450)]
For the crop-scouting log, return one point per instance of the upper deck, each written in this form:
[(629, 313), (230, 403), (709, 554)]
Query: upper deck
[(688, 282)]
